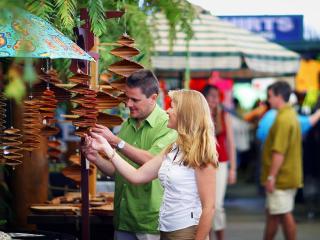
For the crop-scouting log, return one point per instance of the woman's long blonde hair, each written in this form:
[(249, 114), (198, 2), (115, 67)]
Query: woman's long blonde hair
[(195, 129)]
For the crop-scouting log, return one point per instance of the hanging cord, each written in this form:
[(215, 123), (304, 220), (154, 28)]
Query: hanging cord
[(125, 18), (11, 113)]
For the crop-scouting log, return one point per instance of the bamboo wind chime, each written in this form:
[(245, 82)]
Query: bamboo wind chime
[(39, 114), (85, 100), (31, 124), (124, 68), (10, 140), (84, 116)]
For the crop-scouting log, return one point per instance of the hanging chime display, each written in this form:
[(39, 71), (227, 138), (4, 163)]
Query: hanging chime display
[(124, 68), (31, 124), (85, 100)]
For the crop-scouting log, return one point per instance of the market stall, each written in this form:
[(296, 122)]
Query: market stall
[(39, 124)]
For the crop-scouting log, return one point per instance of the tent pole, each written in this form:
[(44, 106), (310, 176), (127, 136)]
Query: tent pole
[(84, 196)]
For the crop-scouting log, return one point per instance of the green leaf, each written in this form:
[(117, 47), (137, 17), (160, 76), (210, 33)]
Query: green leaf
[(97, 17), (42, 8), (29, 74), (16, 88), (66, 11), (3, 221)]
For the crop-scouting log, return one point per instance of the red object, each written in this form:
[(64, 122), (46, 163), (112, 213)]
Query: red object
[(198, 84), (222, 141), (114, 14)]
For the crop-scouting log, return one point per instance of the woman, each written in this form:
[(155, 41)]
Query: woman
[(227, 156), (186, 169)]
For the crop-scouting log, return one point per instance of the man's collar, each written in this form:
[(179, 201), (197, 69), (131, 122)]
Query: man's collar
[(151, 119)]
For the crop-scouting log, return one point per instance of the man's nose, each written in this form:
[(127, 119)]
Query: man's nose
[(129, 103)]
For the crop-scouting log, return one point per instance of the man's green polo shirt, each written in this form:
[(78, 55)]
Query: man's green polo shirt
[(285, 138), (137, 206)]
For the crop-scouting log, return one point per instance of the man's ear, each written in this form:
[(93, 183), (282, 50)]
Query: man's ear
[(154, 97)]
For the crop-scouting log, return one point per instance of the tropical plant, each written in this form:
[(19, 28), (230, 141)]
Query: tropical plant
[(65, 15)]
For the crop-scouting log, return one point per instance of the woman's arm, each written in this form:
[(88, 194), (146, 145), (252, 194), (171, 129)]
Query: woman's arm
[(144, 174), (206, 183), (232, 174)]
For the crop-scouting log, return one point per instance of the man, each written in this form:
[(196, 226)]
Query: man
[(282, 163), (145, 133)]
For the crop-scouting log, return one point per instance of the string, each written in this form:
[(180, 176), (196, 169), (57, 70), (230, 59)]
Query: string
[(11, 113), (125, 19)]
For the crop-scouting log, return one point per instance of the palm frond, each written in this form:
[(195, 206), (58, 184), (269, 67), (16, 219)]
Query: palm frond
[(97, 17), (66, 11), (42, 8)]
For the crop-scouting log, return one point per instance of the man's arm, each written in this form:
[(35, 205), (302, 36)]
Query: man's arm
[(276, 163), (137, 155)]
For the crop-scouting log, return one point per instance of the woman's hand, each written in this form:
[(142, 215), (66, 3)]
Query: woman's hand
[(106, 133), (99, 143)]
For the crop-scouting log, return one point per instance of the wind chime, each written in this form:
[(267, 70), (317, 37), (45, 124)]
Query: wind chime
[(31, 124), (10, 140), (125, 67)]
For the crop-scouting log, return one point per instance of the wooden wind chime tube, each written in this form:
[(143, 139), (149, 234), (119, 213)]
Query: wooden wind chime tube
[(10, 140), (85, 99), (31, 125)]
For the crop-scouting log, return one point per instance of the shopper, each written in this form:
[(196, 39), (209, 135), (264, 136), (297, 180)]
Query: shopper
[(144, 135), (227, 156), (186, 169), (281, 163)]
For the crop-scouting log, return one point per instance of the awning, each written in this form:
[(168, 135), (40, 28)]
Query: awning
[(220, 46)]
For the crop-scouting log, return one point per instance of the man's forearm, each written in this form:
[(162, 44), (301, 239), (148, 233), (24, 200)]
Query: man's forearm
[(136, 155), (277, 161)]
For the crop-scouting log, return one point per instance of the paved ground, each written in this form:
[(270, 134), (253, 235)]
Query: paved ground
[(245, 216)]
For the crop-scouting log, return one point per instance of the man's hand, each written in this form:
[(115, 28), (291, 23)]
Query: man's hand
[(107, 134), (270, 184)]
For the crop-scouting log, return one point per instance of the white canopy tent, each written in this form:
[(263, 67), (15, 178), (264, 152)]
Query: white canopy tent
[(220, 46)]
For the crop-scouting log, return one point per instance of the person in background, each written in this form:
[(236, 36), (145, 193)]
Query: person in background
[(186, 169), (265, 123), (142, 136), (227, 156), (281, 164)]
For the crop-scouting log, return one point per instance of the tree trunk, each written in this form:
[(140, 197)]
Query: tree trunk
[(30, 180)]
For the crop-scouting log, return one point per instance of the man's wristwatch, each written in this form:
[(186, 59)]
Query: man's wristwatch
[(270, 178), (121, 145)]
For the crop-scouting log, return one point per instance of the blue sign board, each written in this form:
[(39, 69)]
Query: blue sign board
[(278, 28)]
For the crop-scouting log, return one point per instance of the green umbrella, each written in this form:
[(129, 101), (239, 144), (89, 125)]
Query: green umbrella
[(23, 34)]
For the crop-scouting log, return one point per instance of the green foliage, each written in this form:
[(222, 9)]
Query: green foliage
[(29, 74), (97, 17), (15, 88), (43, 8), (66, 13)]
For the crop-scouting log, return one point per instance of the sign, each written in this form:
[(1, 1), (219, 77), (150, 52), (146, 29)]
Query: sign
[(278, 28)]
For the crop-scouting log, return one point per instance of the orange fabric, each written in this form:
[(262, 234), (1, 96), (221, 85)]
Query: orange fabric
[(256, 113), (307, 77)]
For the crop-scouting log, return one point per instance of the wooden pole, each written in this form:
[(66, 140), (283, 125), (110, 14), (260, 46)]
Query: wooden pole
[(94, 72), (85, 226)]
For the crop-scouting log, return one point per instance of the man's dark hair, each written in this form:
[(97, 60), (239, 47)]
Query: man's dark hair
[(281, 88), (145, 80), (205, 91)]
